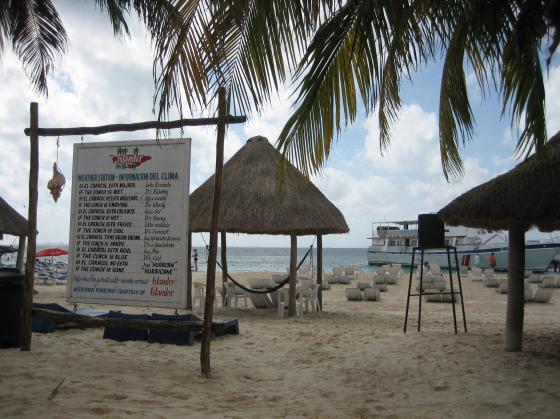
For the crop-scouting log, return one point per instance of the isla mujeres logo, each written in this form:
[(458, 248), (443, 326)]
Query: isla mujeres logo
[(123, 160)]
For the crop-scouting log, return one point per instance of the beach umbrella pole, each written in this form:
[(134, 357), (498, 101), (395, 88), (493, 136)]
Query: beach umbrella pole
[(211, 269), (516, 289)]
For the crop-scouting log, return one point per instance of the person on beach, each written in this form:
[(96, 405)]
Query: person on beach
[(492, 260), (195, 257)]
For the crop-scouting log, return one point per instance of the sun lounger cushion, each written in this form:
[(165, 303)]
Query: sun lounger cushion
[(542, 295), (353, 294), (372, 294), (261, 300), (547, 282), (122, 334), (175, 337)]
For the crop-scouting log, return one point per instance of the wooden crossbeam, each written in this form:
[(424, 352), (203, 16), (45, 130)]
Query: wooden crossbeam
[(104, 129)]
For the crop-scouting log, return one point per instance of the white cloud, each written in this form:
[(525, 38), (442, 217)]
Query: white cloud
[(272, 119), (552, 88), (414, 142)]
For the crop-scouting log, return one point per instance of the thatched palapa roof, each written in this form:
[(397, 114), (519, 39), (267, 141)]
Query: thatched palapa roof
[(528, 195), (253, 201), (11, 222)]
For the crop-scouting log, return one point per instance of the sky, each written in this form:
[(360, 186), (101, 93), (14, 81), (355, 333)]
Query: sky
[(103, 80)]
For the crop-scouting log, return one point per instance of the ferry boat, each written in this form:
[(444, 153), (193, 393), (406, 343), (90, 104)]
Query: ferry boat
[(392, 242)]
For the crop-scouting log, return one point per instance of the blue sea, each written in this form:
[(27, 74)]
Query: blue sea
[(277, 259), (262, 259)]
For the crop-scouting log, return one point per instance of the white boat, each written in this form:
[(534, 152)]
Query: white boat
[(393, 242)]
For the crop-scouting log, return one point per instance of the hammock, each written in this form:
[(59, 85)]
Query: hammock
[(267, 290)]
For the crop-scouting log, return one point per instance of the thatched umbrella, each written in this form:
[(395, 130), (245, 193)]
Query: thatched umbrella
[(11, 222), (526, 196), (263, 193)]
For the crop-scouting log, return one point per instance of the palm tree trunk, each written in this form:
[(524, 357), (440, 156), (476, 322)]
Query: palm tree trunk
[(516, 289), (293, 277), (211, 269)]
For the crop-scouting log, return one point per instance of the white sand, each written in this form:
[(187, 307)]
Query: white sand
[(352, 360)]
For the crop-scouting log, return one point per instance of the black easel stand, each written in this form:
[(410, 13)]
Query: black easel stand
[(452, 292)]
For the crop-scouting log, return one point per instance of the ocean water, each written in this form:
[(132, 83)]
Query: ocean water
[(262, 259), (277, 259)]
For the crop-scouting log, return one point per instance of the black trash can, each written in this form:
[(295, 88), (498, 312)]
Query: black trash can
[(12, 284)]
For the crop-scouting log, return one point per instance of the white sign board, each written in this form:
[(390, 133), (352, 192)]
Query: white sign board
[(129, 223)]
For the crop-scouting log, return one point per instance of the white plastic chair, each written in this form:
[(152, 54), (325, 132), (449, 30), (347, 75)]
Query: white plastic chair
[(234, 293)]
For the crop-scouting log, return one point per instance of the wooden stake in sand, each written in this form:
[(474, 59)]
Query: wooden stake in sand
[(55, 390)]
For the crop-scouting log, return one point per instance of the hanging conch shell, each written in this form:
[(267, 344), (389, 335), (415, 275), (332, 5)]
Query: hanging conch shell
[(56, 184)]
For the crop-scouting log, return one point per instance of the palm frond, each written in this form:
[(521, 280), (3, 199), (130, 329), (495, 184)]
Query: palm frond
[(38, 38)]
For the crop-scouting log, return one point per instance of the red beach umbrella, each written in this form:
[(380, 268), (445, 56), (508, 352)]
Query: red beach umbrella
[(52, 251)]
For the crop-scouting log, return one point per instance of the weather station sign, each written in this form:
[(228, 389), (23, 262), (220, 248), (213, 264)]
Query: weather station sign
[(129, 223)]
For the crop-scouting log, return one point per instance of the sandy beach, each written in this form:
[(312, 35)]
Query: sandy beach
[(351, 360)]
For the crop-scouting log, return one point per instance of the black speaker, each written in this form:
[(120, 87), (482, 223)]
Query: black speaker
[(430, 232)]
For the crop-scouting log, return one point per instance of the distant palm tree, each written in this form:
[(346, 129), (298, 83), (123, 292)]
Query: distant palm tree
[(341, 53), (38, 38)]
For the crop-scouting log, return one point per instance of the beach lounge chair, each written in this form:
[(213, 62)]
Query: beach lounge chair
[(353, 294), (432, 295), (198, 295), (392, 276), (475, 274), (380, 287), (234, 293), (313, 296), (329, 278), (490, 282), (261, 300), (488, 273), (372, 294), (547, 282), (435, 271), (344, 279), (278, 278), (542, 295), (534, 278), (502, 286)]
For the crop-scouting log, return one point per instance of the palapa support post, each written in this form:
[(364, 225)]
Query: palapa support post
[(211, 269), (224, 265), (516, 291), (293, 276), (320, 269), (32, 221), (21, 253), (189, 271), (421, 293)]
